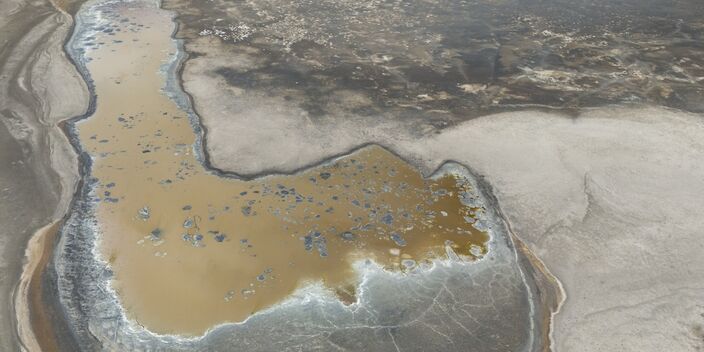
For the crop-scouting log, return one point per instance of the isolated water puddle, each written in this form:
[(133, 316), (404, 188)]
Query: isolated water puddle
[(190, 249)]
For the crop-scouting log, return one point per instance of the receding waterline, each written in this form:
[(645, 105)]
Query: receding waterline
[(179, 236)]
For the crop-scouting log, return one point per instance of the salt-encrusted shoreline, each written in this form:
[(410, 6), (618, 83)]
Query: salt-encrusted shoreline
[(97, 315)]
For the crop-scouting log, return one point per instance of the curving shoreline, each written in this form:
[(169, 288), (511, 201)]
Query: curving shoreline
[(537, 256), (556, 174), (38, 89), (67, 127), (85, 188)]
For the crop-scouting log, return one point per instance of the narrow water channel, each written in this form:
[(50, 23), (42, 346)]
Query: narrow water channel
[(191, 249)]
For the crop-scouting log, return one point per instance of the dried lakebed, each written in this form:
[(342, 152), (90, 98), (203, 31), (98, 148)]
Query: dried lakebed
[(361, 252)]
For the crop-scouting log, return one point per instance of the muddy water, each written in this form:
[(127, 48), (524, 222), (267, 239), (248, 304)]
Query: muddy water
[(190, 249)]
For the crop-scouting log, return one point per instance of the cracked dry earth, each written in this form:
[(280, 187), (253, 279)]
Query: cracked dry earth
[(355, 176)]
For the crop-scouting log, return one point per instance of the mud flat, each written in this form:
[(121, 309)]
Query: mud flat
[(607, 200), (38, 88), (603, 190), (347, 72), (444, 271)]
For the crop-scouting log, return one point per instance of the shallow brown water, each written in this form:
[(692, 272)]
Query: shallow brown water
[(191, 249)]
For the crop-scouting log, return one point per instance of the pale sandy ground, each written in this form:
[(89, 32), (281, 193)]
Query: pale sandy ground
[(610, 200), (38, 88), (612, 203)]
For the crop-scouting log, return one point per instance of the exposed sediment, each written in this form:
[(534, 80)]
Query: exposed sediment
[(586, 195), (96, 314), (346, 71), (38, 88), (586, 190)]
